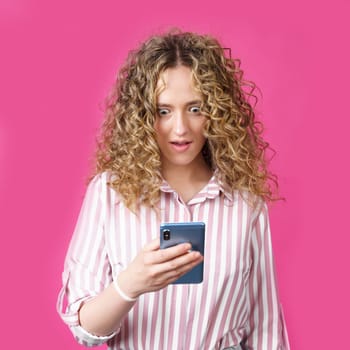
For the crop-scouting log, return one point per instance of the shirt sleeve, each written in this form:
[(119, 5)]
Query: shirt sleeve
[(87, 271), (266, 329)]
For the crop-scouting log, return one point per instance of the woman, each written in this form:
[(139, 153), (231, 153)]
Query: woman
[(179, 143)]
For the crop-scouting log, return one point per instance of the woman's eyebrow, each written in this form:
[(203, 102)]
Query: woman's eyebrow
[(163, 105), (194, 102)]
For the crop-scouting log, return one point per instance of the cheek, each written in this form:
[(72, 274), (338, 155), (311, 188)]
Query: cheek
[(157, 127), (160, 133), (162, 127), (200, 128)]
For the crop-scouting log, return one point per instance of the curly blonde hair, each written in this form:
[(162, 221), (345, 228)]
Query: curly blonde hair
[(127, 146)]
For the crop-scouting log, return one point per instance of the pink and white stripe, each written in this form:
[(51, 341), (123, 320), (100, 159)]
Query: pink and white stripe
[(237, 300)]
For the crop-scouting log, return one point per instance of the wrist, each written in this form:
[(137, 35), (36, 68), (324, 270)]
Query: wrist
[(122, 293), (123, 282)]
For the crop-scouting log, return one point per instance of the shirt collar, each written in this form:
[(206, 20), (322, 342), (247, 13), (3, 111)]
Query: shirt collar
[(210, 191)]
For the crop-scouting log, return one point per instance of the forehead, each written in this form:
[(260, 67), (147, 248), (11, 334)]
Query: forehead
[(177, 84)]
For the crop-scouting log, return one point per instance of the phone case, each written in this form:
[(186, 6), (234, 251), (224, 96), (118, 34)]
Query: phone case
[(180, 232)]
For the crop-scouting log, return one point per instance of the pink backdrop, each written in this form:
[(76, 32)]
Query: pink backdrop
[(58, 61)]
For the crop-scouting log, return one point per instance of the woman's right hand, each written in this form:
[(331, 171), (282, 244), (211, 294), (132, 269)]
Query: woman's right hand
[(154, 268)]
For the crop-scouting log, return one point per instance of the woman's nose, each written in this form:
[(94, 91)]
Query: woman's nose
[(180, 123)]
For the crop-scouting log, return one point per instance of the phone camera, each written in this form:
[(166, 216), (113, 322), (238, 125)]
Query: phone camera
[(166, 235)]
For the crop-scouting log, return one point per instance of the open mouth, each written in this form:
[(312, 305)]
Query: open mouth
[(181, 146), (180, 143)]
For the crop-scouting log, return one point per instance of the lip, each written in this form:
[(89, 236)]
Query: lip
[(180, 146)]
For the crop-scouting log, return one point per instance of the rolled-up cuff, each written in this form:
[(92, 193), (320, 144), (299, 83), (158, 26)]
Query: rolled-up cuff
[(71, 317), (87, 339)]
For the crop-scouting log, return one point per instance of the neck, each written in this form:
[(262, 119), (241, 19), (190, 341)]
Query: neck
[(186, 180), (172, 172)]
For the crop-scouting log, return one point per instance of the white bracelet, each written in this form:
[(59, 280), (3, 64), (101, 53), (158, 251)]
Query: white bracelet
[(121, 293)]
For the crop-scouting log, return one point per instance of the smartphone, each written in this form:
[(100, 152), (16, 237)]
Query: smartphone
[(173, 233)]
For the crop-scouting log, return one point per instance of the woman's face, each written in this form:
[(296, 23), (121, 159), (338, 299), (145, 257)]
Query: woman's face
[(179, 123)]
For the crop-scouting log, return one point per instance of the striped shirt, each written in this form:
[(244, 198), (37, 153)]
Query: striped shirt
[(237, 300)]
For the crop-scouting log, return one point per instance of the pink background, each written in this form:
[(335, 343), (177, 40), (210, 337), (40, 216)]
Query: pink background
[(58, 61)]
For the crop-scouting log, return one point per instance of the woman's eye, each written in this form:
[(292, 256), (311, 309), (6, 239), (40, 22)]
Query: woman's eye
[(163, 111), (195, 109)]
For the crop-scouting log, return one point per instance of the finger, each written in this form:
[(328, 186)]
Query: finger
[(167, 254), (152, 246), (180, 264), (174, 274), (183, 262), (163, 275)]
